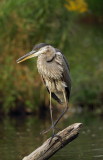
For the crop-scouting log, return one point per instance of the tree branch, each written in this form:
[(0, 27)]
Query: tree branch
[(47, 150)]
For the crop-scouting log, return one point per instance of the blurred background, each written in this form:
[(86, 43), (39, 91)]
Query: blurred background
[(76, 28), (73, 26)]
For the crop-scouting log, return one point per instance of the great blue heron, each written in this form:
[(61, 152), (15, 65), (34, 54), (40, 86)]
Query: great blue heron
[(54, 70)]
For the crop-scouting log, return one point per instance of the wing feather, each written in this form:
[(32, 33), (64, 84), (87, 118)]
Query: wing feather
[(66, 74), (66, 77)]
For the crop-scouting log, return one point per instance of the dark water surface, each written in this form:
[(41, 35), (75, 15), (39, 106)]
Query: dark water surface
[(20, 136)]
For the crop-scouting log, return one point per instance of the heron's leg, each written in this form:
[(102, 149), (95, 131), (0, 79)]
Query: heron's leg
[(51, 114), (55, 123), (53, 129), (66, 108)]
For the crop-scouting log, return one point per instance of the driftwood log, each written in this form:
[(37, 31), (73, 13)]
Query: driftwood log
[(45, 151)]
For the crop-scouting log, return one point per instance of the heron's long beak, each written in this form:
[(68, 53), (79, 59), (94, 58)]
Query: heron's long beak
[(28, 56)]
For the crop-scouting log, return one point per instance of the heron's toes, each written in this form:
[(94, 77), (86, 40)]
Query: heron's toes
[(55, 135), (46, 131)]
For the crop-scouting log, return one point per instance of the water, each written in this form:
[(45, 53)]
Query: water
[(20, 136)]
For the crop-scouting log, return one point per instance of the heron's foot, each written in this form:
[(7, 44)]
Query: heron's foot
[(55, 135), (46, 131)]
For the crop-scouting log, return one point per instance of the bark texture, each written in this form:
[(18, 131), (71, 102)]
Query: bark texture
[(47, 149)]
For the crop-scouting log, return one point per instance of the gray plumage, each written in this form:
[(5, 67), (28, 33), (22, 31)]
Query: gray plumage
[(54, 70)]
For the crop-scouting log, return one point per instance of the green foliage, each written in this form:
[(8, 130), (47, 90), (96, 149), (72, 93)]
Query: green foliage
[(86, 63), (95, 7), (24, 23)]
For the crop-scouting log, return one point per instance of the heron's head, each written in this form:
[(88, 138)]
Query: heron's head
[(38, 49)]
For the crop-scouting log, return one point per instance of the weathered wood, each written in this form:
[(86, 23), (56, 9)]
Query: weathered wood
[(47, 150)]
